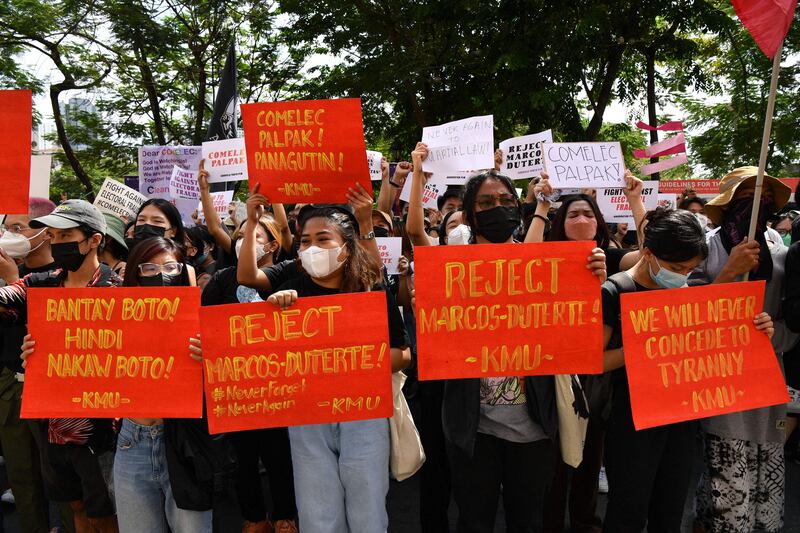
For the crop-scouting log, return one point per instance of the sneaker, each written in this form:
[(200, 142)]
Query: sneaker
[(602, 481), (794, 401), (285, 526), (8, 497)]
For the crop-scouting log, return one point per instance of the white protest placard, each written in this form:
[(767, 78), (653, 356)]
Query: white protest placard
[(584, 165), (220, 201), (183, 184), (614, 206), (390, 248), (432, 191), (523, 156), (459, 145), (667, 201), (120, 200), (374, 160), (156, 164), (40, 176), (225, 160)]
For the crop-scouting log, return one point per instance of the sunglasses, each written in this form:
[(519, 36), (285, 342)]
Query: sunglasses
[(487, 201)]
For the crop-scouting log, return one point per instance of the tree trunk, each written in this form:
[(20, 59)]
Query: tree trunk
[(152, 95), (604, 95), (69, 153), (652, 118), (200, 103)]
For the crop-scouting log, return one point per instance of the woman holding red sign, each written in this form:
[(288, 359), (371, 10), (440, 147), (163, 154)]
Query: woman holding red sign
[(500, 432), (649, 471)]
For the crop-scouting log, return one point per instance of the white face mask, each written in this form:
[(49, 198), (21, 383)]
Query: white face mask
[(18, 246), (461, 234), (320, 262), (260, 250)]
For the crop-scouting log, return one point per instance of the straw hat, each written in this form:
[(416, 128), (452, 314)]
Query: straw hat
[(730, 183)]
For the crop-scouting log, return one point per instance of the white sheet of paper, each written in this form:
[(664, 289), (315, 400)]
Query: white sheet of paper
[(40, 176), (156, 164), (374, 161), (614, 206), (433, 190), (119, 200), (390, 249), (523, 156), (460, 145), (584, 165), (225, 160), (220, 200), (183, 184), (667, 201)]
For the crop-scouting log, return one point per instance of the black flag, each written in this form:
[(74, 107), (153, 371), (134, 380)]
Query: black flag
[(224, 120)]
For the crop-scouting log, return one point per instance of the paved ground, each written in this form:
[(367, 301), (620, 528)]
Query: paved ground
[(404, 508)]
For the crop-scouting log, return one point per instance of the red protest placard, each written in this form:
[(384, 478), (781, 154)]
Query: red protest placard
[(15, 150), (507, 310), (306, 151), (694, 352), (325, 359), (119, 352)]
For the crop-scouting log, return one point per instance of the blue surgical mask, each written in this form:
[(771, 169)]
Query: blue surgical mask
[(667, 279)]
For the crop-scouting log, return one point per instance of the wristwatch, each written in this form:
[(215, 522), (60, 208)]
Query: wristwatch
[(368, 237)]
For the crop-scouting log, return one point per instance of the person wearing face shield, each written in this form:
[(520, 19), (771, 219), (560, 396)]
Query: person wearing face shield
[(30, 246), (748, 442), (75, 452)]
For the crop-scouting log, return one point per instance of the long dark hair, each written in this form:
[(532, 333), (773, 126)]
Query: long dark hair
[(557, 233), (360, 271), (471, 196), (172, 214), (147, 250), (674, 235)]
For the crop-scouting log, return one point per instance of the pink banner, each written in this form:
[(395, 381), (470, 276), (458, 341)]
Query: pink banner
[(665, 147), (669, 126), (666, 164)]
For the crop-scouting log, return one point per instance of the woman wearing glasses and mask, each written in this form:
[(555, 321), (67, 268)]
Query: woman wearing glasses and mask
[(499, 432)]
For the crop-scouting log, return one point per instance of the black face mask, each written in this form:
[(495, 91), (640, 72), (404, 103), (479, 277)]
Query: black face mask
[(498, 223), (145, 231), (381, 232), (159, 280), (67, 255)]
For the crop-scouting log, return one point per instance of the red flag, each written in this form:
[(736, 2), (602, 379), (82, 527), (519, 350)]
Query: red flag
[(767, 21)]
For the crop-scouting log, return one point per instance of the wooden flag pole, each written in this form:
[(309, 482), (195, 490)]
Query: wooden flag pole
[(762, 160)]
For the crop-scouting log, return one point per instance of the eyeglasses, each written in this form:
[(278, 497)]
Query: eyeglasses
[(149, 270), (487, 201), (14, 228)]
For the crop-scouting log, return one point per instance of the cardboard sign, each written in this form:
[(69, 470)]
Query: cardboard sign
[(459, 145), (220, 201), (614, 206), (390, 248), (119, 200), (694, 352), (325, 359), (523, 157), (306, 151), (40, 175), (699, 186), (225, 160), (374, 161), (112, 353), (156, 164), (507, 310), (15, 150), (183, 184), (581, 165), (430, 194)]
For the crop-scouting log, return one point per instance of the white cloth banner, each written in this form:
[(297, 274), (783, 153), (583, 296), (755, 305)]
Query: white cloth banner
[(156, 164), (459, 145), (225, 160), (584, 165), (523, 156), (614, 206)]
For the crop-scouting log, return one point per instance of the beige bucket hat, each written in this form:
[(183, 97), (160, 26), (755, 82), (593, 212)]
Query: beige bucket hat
[(730, 183)]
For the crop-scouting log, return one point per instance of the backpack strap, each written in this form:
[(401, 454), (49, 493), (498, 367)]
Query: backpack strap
[(623, 282)]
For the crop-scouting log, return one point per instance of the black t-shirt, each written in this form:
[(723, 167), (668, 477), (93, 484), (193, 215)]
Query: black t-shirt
[(221, 288), (305, 286), (613, 258), (12, 334)]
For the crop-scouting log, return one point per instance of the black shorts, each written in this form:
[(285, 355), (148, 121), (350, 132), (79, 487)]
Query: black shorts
[(72, 472)]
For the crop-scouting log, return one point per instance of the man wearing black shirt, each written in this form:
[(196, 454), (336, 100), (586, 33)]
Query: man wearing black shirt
[(19, 437)]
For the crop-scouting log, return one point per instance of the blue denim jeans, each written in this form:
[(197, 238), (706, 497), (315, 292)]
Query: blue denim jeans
[(141, 485), (341, 476)]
